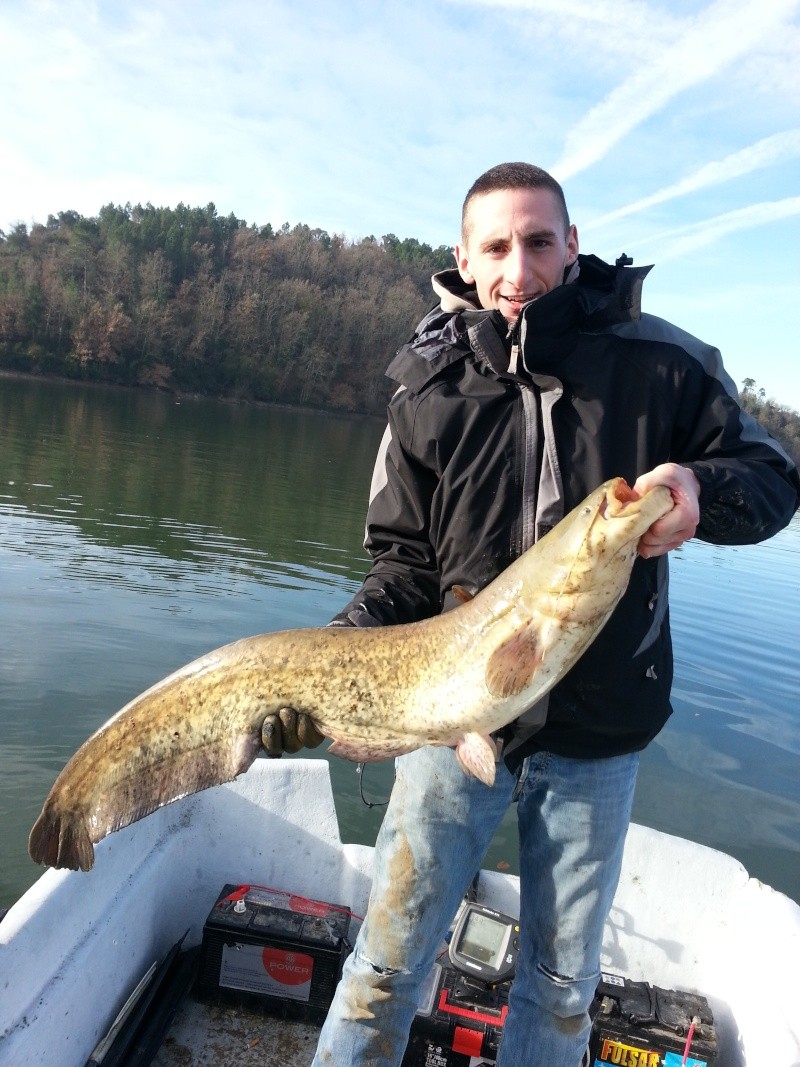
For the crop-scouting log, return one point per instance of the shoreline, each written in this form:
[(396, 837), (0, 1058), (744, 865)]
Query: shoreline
[(180, 396)]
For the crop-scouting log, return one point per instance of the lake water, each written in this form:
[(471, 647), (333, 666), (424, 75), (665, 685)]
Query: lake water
[(137, 532)]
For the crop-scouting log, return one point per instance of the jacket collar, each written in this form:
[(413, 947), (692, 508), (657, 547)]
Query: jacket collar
[(594, 295), (608, 294)]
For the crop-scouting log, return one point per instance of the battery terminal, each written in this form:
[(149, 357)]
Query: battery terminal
[(689, 1036)]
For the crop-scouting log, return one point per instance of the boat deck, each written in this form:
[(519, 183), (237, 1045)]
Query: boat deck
[(224, 1035)]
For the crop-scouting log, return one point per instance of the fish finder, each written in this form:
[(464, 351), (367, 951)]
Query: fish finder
[(463, 1009), (485, 944)]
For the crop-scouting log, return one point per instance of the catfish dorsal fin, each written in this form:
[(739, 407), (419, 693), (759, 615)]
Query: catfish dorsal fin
[(514, 662), (462, 595)]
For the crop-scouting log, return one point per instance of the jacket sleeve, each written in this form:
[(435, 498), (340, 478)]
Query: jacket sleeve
[(749, 486), (403, 582)]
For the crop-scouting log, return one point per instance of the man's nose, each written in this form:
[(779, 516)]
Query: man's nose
[(516, 265)]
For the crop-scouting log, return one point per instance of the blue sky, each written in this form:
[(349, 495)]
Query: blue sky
[(673, 126)]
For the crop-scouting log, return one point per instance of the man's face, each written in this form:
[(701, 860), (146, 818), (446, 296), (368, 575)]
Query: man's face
[(515, 248)]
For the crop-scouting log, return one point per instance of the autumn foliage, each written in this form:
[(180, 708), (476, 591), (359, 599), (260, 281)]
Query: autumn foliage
[(186, 300)]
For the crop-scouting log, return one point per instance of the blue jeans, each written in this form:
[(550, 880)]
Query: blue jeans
[(573, 816)]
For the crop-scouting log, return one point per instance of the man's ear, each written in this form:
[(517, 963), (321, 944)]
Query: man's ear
[(572, 245), (462, 262)]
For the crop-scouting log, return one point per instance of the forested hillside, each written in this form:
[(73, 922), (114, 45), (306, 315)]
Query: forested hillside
[(781, 421), (183, 299)]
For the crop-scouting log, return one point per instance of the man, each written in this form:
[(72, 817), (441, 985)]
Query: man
[(533, 381)]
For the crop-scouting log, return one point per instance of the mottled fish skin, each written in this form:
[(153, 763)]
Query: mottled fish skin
[(377, 692)]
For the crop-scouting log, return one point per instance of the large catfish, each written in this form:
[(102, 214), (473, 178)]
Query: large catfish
[(377, 692)]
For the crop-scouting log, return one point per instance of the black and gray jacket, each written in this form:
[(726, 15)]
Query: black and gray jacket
[(493, 438)]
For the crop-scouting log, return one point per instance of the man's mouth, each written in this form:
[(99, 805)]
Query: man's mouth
[(518, 301)]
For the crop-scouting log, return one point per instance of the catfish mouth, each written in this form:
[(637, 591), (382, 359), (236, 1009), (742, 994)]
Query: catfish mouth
[(616, 499)]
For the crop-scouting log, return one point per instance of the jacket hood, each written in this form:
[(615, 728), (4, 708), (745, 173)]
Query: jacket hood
[(454, 293), (609, 295)]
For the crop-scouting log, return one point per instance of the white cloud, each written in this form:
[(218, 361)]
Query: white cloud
[(604, 28)]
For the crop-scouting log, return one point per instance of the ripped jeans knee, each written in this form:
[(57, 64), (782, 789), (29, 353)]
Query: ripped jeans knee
[(366, 986), (548, 1020), (561, 995)]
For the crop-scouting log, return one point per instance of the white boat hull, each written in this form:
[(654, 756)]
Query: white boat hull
[(685, 917)]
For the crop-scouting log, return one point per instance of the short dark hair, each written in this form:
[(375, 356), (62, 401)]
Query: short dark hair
[(514, 176)]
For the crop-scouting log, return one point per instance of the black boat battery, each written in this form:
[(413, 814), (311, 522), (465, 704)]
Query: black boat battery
[(280, 949), (639, 1025)]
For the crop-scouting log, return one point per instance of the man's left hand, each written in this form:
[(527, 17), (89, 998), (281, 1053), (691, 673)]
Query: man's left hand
[(288, 730), (679, 524)]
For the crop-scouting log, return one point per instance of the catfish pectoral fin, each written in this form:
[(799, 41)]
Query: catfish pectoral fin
[(513, 664)]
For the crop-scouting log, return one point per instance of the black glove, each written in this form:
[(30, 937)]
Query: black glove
[(289, 731)]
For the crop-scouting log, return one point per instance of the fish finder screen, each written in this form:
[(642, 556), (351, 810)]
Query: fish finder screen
[(484, 939)]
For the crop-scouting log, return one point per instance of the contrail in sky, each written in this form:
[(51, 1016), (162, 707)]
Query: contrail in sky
[(765, 153), (685, 239)]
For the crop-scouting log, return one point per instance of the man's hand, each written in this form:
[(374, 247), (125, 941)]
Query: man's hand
[(289, 731), (679, 524)]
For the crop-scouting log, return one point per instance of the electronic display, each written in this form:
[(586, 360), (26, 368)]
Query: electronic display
[(485, 943)]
